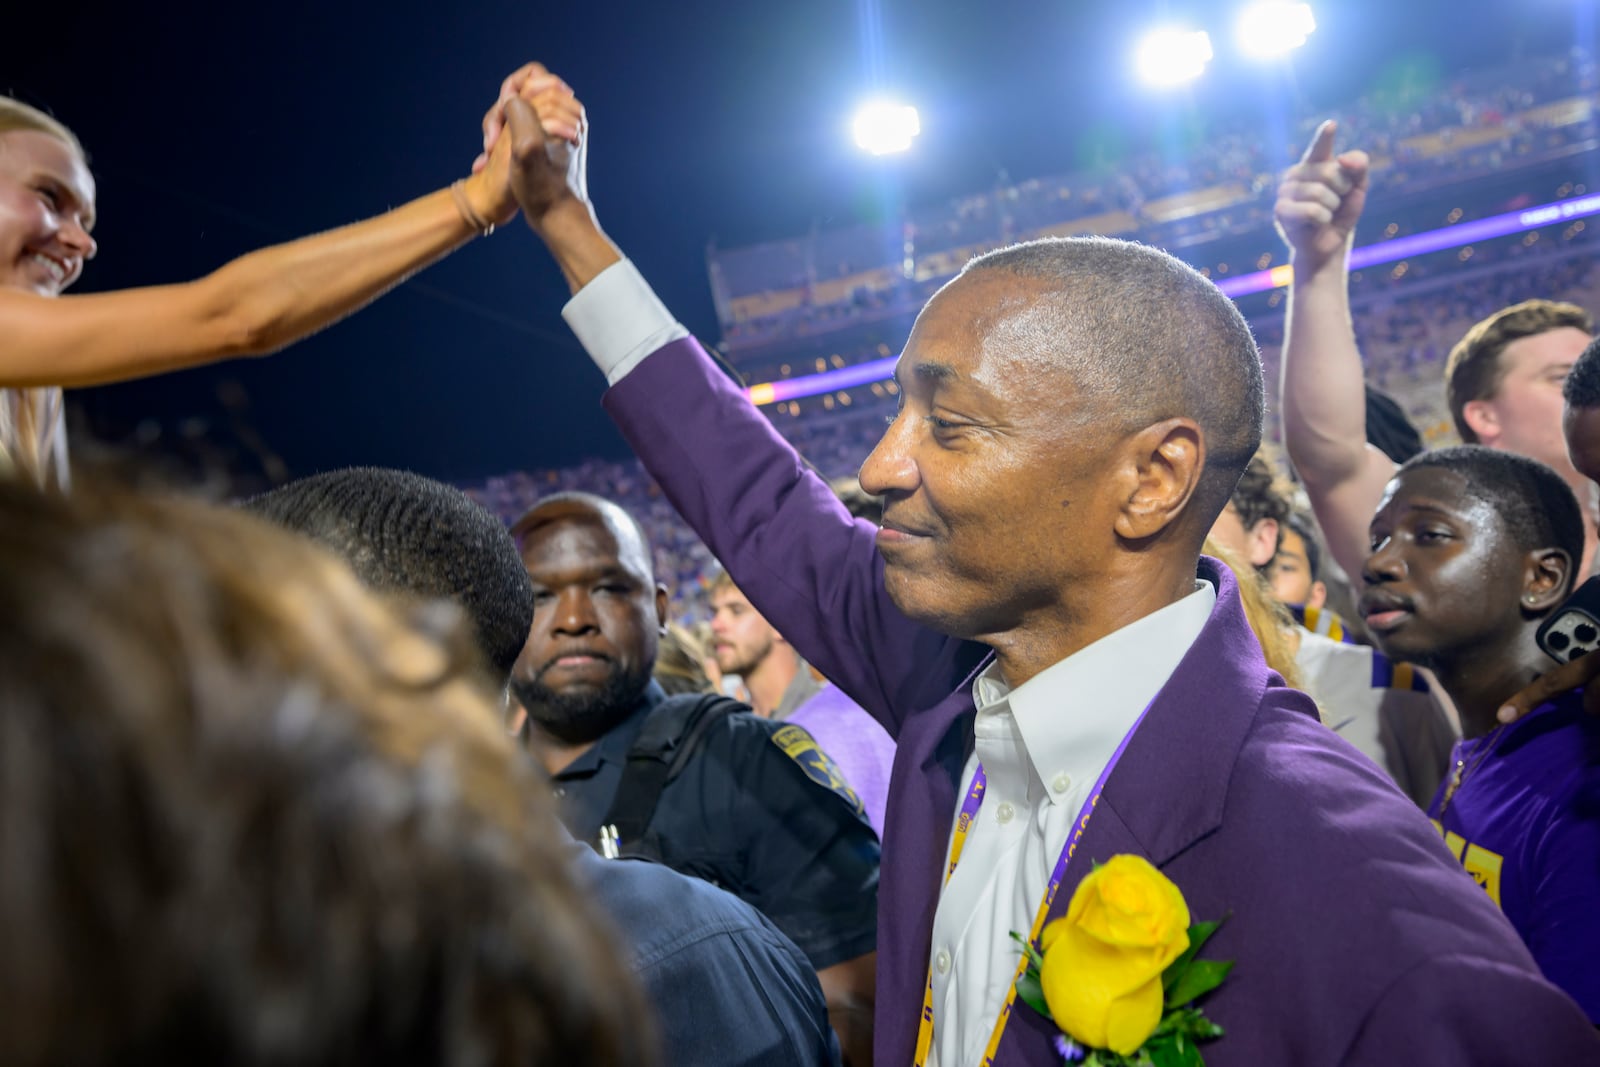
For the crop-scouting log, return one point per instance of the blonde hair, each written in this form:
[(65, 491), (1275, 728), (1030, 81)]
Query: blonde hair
[(31, 420), (680, 662), (32, 427), (1269, 619), (15, 115)]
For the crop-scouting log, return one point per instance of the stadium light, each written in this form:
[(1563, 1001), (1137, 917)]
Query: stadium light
[(883, 127), (1274, 28), (1171, 57)]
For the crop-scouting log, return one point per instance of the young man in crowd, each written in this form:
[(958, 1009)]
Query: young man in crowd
[(782, 688), (1252, 521), (727, 987), (1383, 708), (751, 805), (1296, 571), (1471, 550), (1034, 625)]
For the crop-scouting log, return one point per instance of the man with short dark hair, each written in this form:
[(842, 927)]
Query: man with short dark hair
[(1472, 550), (1297, 569), (751, 805), (405, 534), (1251, 523), (1034, 625), (1503, 379), (1385, 709), (728, 987), (1580, 418)]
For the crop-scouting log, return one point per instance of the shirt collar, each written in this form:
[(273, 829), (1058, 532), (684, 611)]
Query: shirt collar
[(801, 688), (1072, 716)]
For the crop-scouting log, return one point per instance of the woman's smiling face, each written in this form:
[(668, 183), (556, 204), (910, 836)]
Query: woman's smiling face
[(46, 212)]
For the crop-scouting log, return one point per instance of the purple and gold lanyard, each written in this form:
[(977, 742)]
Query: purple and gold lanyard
[(958, 841)]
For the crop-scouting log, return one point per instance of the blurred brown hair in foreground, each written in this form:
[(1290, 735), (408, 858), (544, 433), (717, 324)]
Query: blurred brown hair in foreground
[(250, 814)]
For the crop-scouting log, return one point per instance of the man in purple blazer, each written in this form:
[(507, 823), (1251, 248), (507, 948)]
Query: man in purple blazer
[(1034, 612)]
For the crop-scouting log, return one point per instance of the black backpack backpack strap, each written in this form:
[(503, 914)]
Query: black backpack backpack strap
[(671, 735)]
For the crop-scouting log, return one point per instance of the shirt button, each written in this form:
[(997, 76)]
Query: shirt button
[(941, 962), (1061, 782), (560, 792), (1005, 813)]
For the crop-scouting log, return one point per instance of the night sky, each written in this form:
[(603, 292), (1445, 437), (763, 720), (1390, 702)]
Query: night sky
[(218, 128)]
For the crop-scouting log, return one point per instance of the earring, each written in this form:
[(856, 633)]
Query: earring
[(1531, 598)]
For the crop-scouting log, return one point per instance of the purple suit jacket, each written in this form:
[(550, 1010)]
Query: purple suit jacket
[(1358, 939)]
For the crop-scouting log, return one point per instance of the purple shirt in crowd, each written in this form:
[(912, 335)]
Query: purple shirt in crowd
[(1525, 823), (856, 742)]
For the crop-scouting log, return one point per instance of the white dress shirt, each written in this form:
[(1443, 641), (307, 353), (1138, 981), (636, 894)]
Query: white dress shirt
[(1042, 745), (619, 320)]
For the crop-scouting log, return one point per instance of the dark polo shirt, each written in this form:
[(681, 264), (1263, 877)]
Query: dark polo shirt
[(753, 812)]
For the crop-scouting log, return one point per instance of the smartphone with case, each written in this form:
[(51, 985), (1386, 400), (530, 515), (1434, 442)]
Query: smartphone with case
[(1573, 629)]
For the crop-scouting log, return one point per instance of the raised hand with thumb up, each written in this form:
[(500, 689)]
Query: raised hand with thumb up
[(1319, 200)]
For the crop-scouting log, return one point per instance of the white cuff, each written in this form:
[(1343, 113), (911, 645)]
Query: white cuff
[(619, 320)]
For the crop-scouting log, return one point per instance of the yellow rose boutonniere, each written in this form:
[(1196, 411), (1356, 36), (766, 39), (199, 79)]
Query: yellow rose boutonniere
[(1118, 975)]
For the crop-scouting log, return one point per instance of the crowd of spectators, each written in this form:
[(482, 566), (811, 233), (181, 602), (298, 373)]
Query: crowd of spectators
[(1476, 125)]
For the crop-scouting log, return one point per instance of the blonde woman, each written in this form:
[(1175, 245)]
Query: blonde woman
[(252, 306)]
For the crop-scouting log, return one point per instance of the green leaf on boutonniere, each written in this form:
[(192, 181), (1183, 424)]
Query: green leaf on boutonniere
[(1035, 960), (1175, 1050), (1201, 977), (1199, 934), (1032, 993)]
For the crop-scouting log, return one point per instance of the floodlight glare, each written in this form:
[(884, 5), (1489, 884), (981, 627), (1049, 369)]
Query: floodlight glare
[(1274, 28), (883, 128), (1172, 57)]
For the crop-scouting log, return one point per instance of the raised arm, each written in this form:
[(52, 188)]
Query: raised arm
[(263, 301), (785, 539), (1323, 392)]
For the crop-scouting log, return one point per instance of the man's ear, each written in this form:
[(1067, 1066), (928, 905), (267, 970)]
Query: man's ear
[(1318, 597), (1483, 419), (1545, 579), (1167, 458), (1263, 542), (662, 601)]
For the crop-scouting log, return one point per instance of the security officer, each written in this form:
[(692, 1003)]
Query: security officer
[(751, 805), (729, 989)]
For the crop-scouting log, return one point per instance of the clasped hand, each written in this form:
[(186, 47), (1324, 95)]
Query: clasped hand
[(534, 146)]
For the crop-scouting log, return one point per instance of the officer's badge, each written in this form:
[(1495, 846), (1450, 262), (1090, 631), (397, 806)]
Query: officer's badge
[(801, 747)]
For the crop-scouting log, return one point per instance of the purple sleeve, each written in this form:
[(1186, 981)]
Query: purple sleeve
[(1562, 928), (1453, 1010), (786, 540)]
